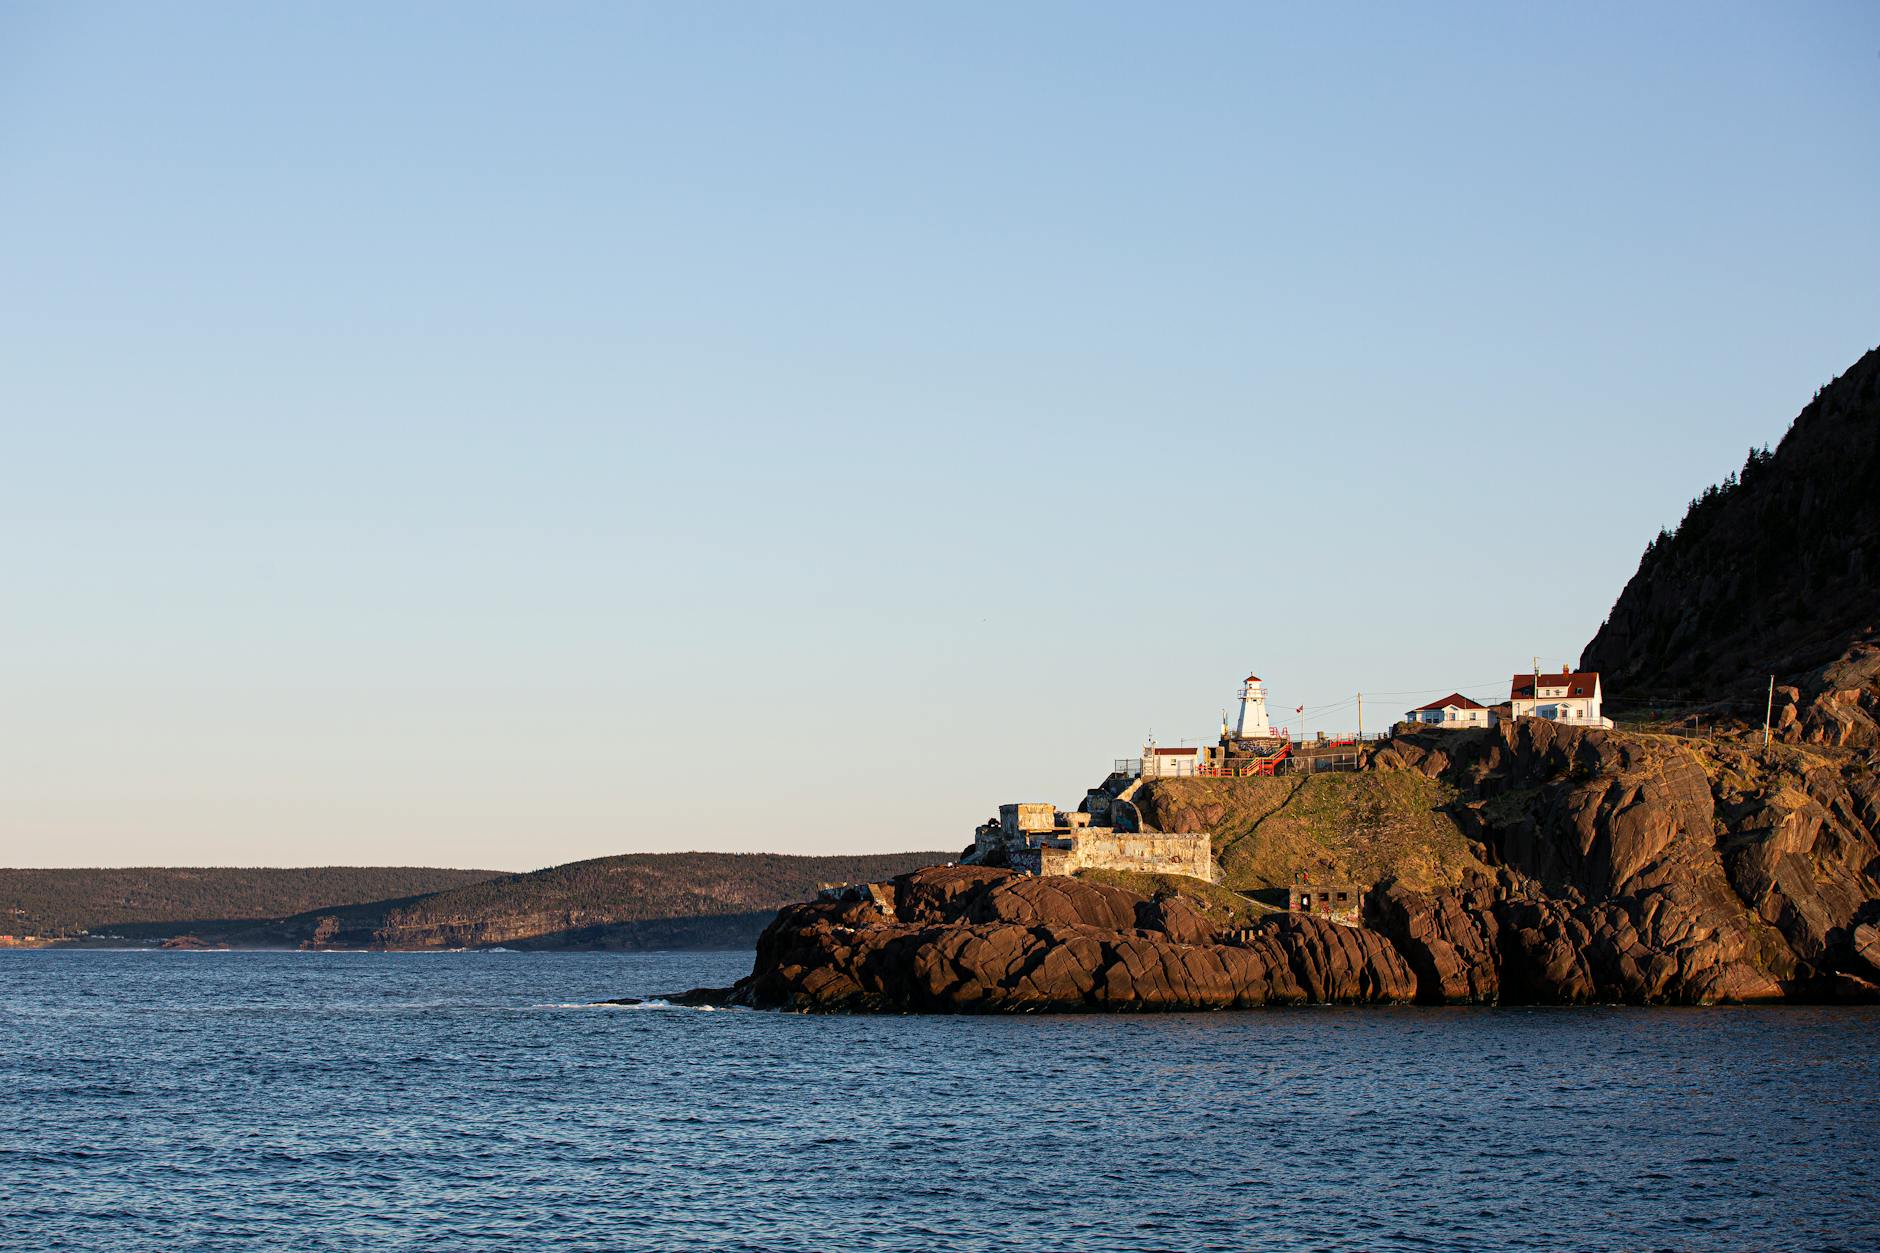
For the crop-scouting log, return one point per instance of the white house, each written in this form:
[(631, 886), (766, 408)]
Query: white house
[(1454, 712), (1570, 696)]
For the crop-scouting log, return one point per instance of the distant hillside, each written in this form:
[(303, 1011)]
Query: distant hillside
[(1774, 571), (636, 900), (66, 902), (631, 901)]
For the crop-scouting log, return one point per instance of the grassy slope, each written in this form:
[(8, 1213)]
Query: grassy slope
[(1360, 827)]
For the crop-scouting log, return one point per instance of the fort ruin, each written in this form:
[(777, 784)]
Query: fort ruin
[(1106, 832)]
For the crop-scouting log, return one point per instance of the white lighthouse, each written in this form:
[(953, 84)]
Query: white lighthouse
[(1252, 723)]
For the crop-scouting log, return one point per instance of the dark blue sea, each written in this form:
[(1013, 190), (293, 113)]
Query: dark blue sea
[(475, 1101)]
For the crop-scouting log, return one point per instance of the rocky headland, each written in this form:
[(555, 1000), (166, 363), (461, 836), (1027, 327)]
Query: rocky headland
[(1614, 868), (1529, 863)]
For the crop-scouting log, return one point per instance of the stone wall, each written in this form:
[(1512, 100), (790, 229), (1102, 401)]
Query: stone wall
[(1152, 851), (1031, 816)]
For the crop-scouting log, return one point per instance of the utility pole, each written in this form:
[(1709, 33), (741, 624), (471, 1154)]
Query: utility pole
[(1769, 709), (1360, 717)]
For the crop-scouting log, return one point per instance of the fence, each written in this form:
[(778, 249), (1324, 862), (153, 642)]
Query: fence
[(1314, 756), (1318, 763), (1683, 728), (1338, 739)]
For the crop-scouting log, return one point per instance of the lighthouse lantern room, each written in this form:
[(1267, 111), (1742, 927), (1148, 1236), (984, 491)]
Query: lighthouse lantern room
[(1252, 724)]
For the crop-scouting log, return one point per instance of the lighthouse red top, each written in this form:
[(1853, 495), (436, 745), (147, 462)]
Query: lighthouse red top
[(1253, 678)]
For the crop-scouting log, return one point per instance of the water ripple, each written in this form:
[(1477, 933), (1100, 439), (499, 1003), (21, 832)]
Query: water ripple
[(237, 1101)]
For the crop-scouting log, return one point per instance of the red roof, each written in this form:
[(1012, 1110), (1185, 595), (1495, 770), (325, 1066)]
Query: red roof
[(1577, 683), (1455, 700), (1253, 678), (1173, 752)]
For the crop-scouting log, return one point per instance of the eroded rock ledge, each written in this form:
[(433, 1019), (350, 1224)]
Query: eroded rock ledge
[(972, 939)]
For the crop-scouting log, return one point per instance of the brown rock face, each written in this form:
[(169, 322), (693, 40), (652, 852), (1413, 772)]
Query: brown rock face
[(977, 939), (1641, 869)]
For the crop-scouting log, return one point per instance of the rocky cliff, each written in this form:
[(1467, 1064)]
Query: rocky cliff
[(1776, 571), (1646, 869), (1612, 867)]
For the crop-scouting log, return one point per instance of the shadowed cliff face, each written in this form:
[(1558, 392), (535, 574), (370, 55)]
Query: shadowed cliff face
[(1774, 573), (1618, 868)]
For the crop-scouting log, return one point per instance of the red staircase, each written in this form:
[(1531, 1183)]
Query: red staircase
[(1247, 768)]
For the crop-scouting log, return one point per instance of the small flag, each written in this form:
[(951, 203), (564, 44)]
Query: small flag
[(1299, 709)]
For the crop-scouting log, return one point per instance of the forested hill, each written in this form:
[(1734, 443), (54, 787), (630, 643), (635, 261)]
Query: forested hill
[(635, 900), (605, 902), (66, 902), (1775, 571)]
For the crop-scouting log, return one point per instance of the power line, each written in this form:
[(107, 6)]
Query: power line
[(1448, 687)]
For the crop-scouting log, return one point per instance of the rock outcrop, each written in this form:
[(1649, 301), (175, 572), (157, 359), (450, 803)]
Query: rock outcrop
[(977, 939)]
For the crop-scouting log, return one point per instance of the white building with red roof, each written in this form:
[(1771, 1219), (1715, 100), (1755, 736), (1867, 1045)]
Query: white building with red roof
[(1454, 712), (1570, 696)]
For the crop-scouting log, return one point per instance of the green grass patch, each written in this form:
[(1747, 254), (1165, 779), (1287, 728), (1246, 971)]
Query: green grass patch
[(1359, 827)]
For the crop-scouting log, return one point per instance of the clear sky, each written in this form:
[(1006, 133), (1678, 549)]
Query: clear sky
[(490, 435)]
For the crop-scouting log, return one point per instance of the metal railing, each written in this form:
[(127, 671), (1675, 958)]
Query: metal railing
[(1320, 763), (1317, 762), (1336, 739), (1683, 728), (1325, 751)]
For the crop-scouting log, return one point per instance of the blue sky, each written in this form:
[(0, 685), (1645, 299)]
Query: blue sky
[(493, 435)]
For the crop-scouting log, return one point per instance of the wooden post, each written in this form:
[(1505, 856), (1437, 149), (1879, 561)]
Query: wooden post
[(1769, 709), (1360, 717)]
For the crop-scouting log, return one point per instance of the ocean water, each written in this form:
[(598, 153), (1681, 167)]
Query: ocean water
[(472, 1101)]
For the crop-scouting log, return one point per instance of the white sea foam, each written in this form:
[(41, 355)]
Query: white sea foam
[(653, 1002)]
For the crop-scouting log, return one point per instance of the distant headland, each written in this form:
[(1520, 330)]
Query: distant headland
[(629, 901)]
